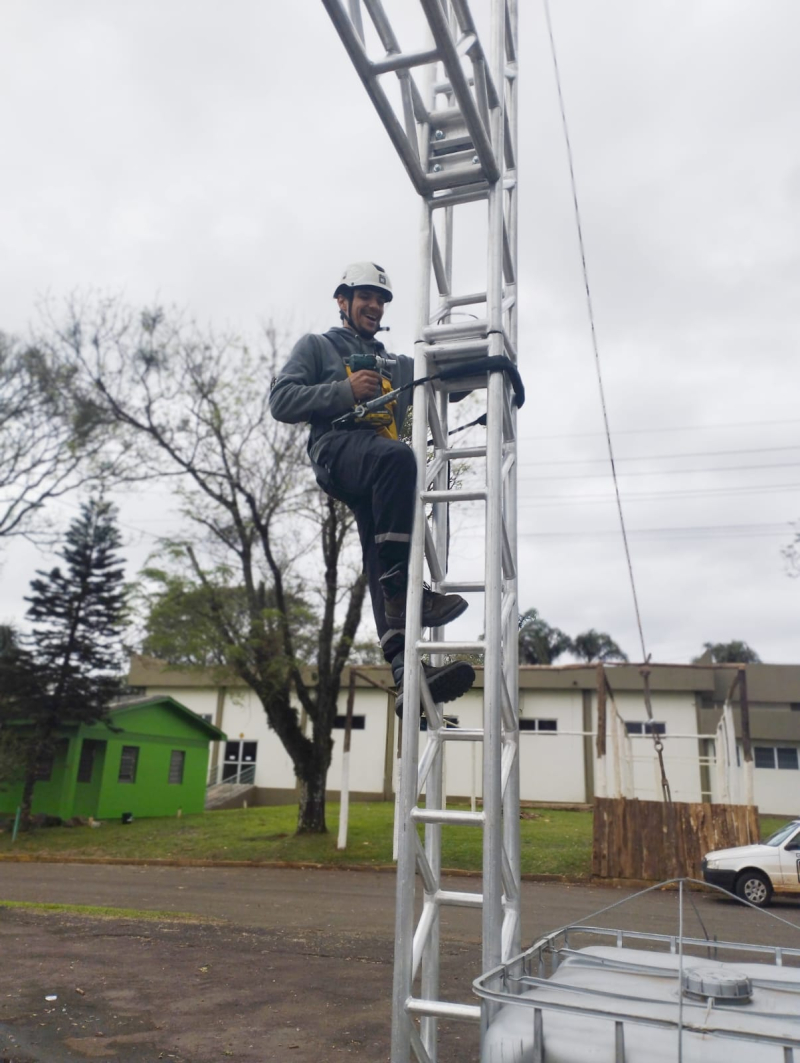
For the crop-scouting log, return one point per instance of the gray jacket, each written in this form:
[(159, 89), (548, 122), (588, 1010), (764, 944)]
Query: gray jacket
[(313, 385)]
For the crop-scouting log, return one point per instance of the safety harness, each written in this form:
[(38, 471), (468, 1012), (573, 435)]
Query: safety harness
[(381, 418), (492, 364)]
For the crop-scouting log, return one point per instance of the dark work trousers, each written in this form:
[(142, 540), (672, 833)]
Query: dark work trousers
[(377, 477)]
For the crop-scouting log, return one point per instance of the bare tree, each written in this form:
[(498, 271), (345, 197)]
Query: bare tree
[(197, 407), (49, 445)]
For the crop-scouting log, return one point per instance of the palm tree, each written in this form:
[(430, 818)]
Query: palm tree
[(594, 645), (539, 643), (735, 652)]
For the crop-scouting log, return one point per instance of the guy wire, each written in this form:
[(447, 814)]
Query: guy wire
[(592, 327)]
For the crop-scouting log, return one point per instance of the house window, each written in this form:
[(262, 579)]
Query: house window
[(177, 758), (44, 767), (357, 723), (538, 724), (776, 757), (127, 764), (787, 757), (207, 717), (639, 727), (86, 762)]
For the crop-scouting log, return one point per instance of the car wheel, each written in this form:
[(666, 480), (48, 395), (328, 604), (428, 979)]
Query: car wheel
[(755, 887)]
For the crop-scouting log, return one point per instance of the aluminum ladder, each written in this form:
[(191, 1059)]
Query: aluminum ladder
[(450, 111)]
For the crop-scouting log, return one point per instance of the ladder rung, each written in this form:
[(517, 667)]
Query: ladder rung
[(455, 817), (448, 587), (450, 647), (461, 330), (453, 496), (462, 734), (440, 353), (468, 299), (459, 898), (453, 197), (443, 1009), (455, 453), (403, 61), (458, 177)]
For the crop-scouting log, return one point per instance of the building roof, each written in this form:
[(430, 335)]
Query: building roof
[(125, 705), (767, 683)]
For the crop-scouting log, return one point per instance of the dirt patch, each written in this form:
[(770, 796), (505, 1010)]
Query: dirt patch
[(201, 993)]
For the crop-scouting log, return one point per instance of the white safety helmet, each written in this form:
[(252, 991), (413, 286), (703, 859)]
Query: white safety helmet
[(364, 275)]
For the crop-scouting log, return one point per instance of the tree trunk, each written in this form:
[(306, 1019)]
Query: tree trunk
[(311, 811), (26, 803)]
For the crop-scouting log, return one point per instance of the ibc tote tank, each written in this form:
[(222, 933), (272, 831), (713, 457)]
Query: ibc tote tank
[(614, 1004)]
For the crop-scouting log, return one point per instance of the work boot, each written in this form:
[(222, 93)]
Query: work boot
[(437, 609), (446, 683)]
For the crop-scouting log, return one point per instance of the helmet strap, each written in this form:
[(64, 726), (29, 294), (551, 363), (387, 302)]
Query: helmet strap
[(344, 315)]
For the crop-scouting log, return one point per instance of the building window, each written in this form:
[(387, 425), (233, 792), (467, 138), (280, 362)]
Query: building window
[(44, 767), (357, 723), (127, 764), (645, 727), (86, 762), (207, 717), (776, 757), (177, 758), (537, 724), (239, 764), (449, 721)]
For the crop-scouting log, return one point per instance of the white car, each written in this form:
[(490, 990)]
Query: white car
[(755, 871)]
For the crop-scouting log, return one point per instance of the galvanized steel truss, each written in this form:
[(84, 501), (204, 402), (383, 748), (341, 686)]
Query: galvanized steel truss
[(453, 124)]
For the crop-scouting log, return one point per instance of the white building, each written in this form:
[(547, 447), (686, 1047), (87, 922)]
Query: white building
[(559, 762)]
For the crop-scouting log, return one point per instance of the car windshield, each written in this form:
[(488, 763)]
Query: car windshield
[(780, 836)]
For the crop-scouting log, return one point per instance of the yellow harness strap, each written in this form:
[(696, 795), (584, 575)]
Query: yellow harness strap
[(381, 421)]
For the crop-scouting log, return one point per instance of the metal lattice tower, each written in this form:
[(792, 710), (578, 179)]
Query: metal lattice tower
[(450, 111)]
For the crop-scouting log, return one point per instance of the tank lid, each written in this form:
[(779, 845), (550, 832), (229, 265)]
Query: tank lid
[(721, 984)]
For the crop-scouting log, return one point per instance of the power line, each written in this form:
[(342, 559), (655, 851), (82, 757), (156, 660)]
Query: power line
[(667, 428), (547, 501), (722, 531), (663, 457), (668, 472)]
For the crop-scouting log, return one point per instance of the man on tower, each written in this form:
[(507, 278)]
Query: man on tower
[(365, 464)]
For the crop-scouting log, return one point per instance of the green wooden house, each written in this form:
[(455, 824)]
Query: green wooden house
[(150, 759)]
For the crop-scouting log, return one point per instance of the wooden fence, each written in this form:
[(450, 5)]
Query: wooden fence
[(654, 840)]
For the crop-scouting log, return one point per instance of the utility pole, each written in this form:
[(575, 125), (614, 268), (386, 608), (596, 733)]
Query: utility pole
[(455, 130)]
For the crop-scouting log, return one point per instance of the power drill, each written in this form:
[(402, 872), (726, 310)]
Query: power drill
[(376, 362)]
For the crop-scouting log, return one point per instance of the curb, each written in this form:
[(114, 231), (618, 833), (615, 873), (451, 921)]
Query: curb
[(297, 865)]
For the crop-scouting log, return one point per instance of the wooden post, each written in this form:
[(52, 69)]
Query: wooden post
[(601, 787), (588, 759), (747, 746), (601, 711), (344, 795)]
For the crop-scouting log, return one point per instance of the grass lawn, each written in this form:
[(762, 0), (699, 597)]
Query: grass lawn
[(553, 841)]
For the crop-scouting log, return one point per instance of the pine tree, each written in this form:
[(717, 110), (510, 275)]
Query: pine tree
[(78, 614)]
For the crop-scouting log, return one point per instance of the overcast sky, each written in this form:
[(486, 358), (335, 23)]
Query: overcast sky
[(225, 158)]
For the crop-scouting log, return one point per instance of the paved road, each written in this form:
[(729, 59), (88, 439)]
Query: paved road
[(364, 900), (300, 969)]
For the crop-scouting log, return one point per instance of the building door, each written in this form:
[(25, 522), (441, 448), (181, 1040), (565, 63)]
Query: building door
[(239, 765), (89, 777)]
